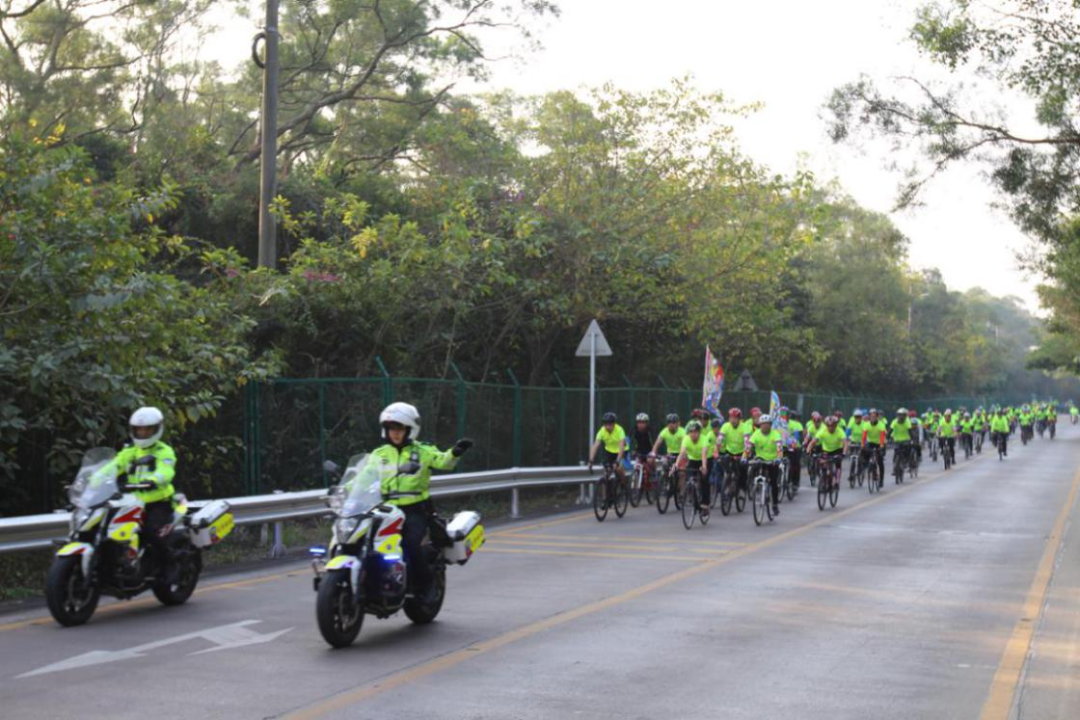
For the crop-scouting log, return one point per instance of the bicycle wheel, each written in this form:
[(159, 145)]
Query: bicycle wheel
[(898, 470), (740, 499), (872, 482), (675, 494), (727, 493), (600, 499), (759, 500), (637, 484), (822, 494), (715, 486), (663, 495), (689, 503), (622, 498), (834, 491), (769, 500)]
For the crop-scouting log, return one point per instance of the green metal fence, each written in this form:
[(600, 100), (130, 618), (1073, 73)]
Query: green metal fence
[(292, 425)]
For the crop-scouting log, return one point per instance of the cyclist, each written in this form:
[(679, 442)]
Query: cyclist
[(947, 433), (755, 416), (900, 431), (1074, 413), (766, 444), (643, 437), (691, 456), (1051, 419), (874, 432), (731, 442), (999, 431), (793, 451), (855, 423), (813, 427), (611, 438), (979, 426), (833, 441), (1027, 421), (670, 439), (967, 433), (916, 435)]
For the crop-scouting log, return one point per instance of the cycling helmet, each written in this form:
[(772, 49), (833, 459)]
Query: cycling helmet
[(642, 417), (857, 412), (672, 419), (901, 411), (715, 423), (401, 414), (146, 417), (755, 411), (609, 417), (948, 411), (693, 426), (838, 414), (815, 416), (765, 420), (832, 420), (912, 413), (874, 411), (734, 412)]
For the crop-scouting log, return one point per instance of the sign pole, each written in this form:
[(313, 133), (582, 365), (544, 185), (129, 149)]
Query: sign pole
[(592, 390)]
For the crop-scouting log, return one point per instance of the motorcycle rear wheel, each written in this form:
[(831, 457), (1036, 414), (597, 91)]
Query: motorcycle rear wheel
[(178, 593), (64, 580), (423, 613)]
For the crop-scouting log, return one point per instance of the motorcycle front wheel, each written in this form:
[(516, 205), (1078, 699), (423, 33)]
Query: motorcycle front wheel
[(72, 598), (339, 618)]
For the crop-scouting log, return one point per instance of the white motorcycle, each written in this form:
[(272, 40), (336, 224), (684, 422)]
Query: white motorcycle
[(366, 573), (105, 553)]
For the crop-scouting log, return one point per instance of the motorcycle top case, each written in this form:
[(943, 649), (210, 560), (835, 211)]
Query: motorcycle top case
[(211, 524), (466, 535)]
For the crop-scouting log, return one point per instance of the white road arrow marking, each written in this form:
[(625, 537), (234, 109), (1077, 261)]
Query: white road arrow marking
[(224, 637)]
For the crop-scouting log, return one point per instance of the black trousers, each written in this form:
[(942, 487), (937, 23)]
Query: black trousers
[(417, 518), (864, 458), (795, 465), (772, 472)]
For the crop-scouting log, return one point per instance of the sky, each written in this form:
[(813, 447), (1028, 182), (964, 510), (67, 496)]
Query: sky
[(788, 55)]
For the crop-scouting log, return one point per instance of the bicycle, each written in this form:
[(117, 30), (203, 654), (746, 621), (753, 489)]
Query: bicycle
[(998, 439), (730, 490), (830, 471), (969, 448), (903, 458), (874, 481), (1026, 435), (668, 488), (609, 493), (979, 438), (787, 487), (933, 441), (639, 481), (812, 474), (1053, 430), (716, 482), (691, 509), (948, 452), (761, 493)]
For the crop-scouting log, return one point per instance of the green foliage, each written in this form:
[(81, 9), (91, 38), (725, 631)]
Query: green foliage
[(94, 323)]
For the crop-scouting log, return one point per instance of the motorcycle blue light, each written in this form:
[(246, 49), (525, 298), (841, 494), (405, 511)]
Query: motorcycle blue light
[(392, 558), (317, 551)]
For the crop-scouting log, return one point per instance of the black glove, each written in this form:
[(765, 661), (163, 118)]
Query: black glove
[(461, 447)]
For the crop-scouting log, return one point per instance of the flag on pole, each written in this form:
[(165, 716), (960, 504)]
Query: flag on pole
[(778, 423), (774, 404), (713, 387)]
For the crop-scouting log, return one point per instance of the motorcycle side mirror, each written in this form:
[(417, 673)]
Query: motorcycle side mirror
[(409, 468), (331, 467)]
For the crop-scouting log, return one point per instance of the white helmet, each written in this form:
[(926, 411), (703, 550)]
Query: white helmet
[(765, 419), (642, 417), (402, 413), (146, 417)]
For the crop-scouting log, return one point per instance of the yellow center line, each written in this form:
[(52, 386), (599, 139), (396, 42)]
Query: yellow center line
[(585, 553), (536, 526), (1007, 677), (145, 602), (620, 538), (395, 680), (499, 542)]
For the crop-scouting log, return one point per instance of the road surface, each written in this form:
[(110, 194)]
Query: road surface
[(952, 597)]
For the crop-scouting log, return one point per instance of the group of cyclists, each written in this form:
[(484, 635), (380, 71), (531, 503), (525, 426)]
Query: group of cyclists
[(710, 460)]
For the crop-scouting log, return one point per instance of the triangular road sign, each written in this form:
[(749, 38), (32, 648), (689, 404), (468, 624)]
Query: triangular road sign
[(602, 347)]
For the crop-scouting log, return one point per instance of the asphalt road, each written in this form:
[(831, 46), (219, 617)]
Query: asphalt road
[(952, 597)]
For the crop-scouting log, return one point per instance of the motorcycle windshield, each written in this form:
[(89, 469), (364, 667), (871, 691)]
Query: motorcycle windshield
[(96, 480), (360, 487)]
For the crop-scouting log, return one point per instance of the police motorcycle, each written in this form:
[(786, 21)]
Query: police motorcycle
[(106, 554), (365, 571)]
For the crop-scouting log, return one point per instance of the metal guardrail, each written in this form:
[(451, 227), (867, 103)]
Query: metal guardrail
[(34, 532)]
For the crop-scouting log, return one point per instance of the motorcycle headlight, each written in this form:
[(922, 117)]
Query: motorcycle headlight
[(345, 527)]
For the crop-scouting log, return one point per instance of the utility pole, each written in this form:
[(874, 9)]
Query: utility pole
[(268, 134)]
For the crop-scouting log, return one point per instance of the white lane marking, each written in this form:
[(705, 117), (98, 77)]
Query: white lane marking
[(224, 637)]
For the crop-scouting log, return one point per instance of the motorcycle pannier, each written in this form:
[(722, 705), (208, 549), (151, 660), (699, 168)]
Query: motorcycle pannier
[(211, 524), (466, 536)]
